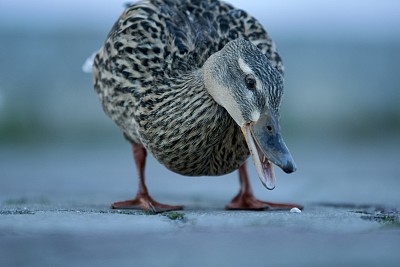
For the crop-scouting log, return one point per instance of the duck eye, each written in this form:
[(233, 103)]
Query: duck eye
[(250, 82)]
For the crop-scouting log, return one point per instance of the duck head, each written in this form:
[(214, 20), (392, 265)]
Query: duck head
[(241, 79)]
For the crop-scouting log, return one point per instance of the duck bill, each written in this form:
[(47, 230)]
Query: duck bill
[(266, 146)]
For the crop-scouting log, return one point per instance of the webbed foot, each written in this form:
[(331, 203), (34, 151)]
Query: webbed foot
[(146, 203), (247, 201)]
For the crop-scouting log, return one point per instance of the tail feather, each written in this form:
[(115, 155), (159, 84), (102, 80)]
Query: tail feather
[(87, 66)]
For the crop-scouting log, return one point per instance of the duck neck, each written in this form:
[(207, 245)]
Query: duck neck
[(193, 81), (202, 79), (195, 94), (207, 73)]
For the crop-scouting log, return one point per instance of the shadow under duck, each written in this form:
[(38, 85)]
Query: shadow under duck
[(198, 84)]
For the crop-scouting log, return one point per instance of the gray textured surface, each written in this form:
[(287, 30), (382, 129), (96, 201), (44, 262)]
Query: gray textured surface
[(320, 236)]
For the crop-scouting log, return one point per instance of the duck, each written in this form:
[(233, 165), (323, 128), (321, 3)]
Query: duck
[(198, 84)]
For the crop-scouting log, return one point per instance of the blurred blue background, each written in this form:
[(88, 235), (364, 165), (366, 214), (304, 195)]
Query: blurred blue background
[(340, 114)]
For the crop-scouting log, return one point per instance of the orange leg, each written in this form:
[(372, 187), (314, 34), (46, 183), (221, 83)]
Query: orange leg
[(142, 201), (245, 199)]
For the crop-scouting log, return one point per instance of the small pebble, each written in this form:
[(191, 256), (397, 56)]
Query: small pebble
[(295, 210)]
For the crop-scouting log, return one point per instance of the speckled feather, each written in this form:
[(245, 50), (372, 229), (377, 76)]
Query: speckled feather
[(146, 76)]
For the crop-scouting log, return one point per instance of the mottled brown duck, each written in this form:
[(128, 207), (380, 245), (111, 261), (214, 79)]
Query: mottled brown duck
[(198, 84)]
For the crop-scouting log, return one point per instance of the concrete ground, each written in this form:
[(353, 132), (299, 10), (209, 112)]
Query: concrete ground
[(54, 211)]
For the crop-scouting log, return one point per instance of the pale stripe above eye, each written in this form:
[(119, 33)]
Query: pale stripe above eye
[(244, 67)]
